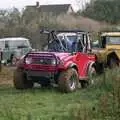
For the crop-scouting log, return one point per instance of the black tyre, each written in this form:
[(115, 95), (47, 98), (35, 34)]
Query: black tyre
[(113, 63), (68, 80), (20, 80), (91, 77)]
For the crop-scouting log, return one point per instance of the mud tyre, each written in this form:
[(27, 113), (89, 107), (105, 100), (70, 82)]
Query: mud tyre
[(68, 80), (91, 77), (113, 63), (20, 80)]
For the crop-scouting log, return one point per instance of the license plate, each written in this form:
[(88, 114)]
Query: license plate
[(39, 74)]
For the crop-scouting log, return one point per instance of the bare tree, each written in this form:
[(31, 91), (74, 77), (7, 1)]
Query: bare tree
[(82, 3)]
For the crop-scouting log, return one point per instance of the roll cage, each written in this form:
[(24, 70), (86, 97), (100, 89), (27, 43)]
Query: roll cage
[(80, 44)]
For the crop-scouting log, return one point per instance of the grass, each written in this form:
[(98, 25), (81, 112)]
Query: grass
[(50, 104), (42, 103)]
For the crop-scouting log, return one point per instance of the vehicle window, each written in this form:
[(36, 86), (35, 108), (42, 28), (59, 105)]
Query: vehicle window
[(63, 41), (6, 44), (103, 43), (80, 43), (68, 42), (113, 40), (54, 46), (95, 44), (2, 44), (72, 38), (19, 44)]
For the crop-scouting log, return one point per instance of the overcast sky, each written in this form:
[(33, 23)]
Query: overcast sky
[(22, 3)]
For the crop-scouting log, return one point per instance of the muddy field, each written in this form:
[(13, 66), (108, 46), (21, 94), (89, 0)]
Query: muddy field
[(50, 104), (37, 103), (6, 76)]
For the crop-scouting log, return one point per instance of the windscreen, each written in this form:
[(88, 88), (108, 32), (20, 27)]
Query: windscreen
[(72, 38), (66, 42), (113, 40)]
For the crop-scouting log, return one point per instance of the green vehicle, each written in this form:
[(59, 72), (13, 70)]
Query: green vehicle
[(13, 48)]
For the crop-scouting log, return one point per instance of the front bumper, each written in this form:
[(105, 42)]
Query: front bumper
[(39, 75)]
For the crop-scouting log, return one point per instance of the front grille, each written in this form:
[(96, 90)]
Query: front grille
[(41, 60)]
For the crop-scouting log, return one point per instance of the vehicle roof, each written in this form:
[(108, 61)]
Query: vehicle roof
[(110, 34), (13, 39), (75, 31), (66, 33)]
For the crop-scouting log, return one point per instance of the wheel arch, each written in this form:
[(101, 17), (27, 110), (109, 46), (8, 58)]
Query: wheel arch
[(112, 55), (73, 65), (70, 65)]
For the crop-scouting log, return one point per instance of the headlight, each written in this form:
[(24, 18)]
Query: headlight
[(53, 61), (28, 60)]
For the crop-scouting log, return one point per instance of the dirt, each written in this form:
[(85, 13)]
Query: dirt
[(6, 75)]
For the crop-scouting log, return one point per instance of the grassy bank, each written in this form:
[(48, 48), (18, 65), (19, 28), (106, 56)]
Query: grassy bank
[(100, 101)]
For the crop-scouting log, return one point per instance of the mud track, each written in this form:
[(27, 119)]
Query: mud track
[(6, 75)]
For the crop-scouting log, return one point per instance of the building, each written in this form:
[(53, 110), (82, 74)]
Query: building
[(55, 9)]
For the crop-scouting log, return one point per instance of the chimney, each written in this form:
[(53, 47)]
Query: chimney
[(37, 4)]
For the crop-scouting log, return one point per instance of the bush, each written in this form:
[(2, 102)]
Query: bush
[(108, 106)]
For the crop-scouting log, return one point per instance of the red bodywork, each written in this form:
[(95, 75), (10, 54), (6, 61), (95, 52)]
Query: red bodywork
[(80, 61)]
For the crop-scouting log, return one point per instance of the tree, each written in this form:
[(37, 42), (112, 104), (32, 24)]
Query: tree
[(103, 10), (13, 17), (82, 3)]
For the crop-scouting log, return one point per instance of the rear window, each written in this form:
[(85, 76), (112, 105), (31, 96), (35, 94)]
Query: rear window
[(18, 43), (2, 44)]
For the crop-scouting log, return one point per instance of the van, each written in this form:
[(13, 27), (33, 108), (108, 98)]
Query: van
[(13, 48)]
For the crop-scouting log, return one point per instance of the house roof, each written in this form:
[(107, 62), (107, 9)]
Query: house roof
[(55, 9)]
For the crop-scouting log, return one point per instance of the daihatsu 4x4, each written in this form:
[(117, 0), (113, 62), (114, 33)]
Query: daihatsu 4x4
[(66, 62), (108, 51)]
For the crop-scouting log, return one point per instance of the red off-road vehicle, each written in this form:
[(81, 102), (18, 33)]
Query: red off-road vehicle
[(66, 62)]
